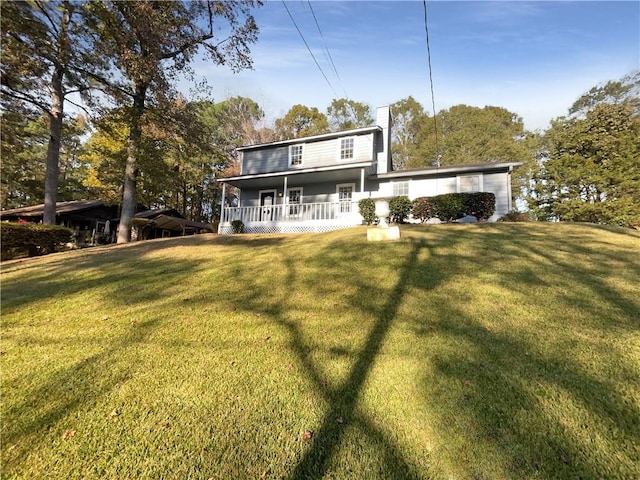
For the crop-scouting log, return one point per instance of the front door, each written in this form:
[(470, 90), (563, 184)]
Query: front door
[(267, 202)]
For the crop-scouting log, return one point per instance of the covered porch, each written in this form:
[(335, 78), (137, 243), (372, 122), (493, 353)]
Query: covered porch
[(309, 200)]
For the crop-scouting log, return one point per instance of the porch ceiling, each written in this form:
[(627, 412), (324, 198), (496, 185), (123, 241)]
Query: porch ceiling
[(300, 178)]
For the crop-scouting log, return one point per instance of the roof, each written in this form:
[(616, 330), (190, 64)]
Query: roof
[(448, 169), (172, 212), (173, 223), (61, 207), (314, 138)]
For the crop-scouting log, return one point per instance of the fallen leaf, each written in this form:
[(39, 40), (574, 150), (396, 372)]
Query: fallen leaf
[(68, 434), (340, 420), (105, 318), (267, 338), (308, 435), (115, 412), (289, 367)]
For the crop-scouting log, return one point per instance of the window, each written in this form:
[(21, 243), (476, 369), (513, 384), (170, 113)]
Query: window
[(469, 183), (400, 189), (295, 155), (345, 197), (346, 148), (294, 199)]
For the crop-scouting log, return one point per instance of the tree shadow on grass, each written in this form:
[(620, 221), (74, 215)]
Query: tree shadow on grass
[(381, 305), (503, 394), (76, 387)]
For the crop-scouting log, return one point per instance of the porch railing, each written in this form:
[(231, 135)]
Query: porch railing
[(303, 212)]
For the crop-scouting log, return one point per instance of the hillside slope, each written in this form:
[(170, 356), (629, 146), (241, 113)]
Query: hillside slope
[(461, 351)]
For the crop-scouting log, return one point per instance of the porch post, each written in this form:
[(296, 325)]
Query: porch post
[(362, 180), (284, 192), (222, 212)]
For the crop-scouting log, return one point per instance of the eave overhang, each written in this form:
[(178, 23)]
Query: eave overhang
[(314, 138), (300, 176), (448, 170)]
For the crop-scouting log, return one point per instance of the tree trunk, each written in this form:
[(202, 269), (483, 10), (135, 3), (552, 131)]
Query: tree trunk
[(53, 150), (131, 169)]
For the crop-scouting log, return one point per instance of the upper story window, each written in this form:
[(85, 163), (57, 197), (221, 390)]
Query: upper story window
[(295, 155), (469, 183), (401, 189), (346, 148)]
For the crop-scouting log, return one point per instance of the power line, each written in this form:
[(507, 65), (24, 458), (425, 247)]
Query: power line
[(307, 45), (433, 99), (326, 47)]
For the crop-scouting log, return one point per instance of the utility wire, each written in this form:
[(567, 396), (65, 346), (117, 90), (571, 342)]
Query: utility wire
[(335, 70), (433, 100), (307, 45)]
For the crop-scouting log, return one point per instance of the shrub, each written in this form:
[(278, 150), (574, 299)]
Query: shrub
[(479, 204), (449, 206), (515, 216), (423, 208), (237, 226), (399, 209), (31, 239), (367, 208)]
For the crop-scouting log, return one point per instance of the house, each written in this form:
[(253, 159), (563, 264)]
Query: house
[(96, 222), (313, 184), (88, 218)]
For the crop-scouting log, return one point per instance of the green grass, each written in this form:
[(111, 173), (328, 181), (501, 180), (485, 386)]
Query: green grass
[(461, 351)]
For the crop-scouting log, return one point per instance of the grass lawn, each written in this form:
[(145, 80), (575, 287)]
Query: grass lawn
[(487, 351)]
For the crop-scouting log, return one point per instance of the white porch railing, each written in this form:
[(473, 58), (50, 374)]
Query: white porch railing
[(292, 218)]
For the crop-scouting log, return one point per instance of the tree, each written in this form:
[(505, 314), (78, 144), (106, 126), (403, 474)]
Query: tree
[(149, 43), (469, 135), (301, 121), (592, 173), (345, 114), (44, 44), (625, 90), (23, 147), (408, 116)]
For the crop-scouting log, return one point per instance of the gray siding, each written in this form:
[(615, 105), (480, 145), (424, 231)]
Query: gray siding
[(265, 160), (315, 154)]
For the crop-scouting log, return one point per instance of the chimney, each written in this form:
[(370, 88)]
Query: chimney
[(383, 120)]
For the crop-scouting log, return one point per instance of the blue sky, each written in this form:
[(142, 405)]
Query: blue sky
[(533, 58)]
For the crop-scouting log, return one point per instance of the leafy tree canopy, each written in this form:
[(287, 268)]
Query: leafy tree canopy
[(345, 114), (592, 173), (408, 117), (301, 121), (468, 135)]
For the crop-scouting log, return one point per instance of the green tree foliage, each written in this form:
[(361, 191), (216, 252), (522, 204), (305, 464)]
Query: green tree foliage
[(149, 45), (45, 45), (408, 117), (183, 148), (301, 121), (468, 135), (625, 90), (23, 148), (345, 114), (592, 173)]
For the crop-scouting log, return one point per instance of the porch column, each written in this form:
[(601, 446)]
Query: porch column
[(284, 192), (224, 192), (362, 180)]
